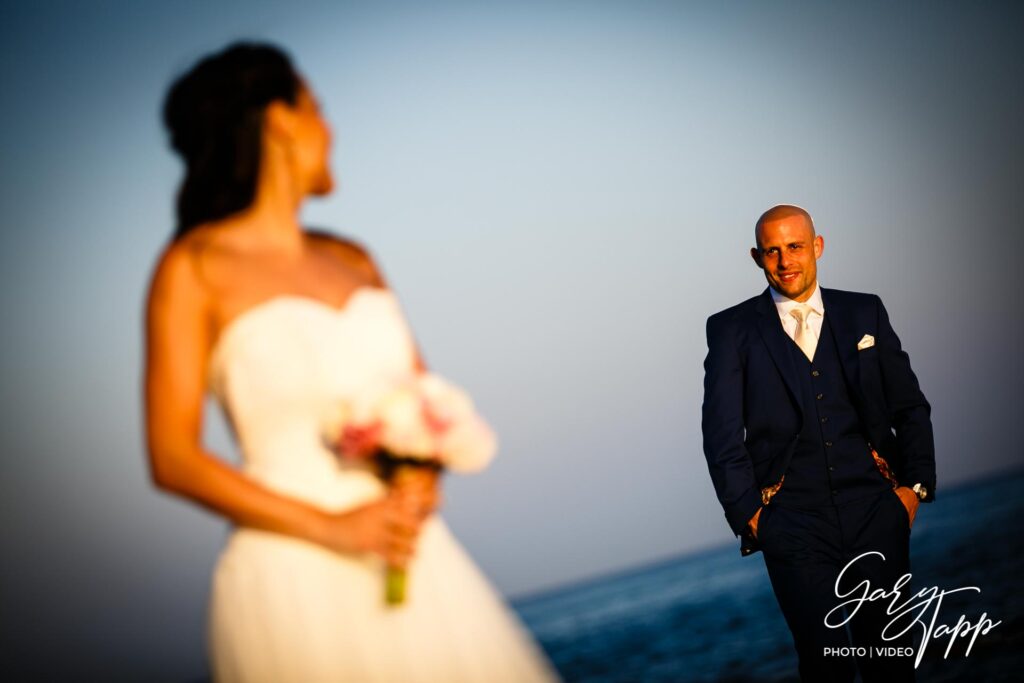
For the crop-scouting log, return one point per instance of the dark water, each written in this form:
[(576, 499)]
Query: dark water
[(712, 616)]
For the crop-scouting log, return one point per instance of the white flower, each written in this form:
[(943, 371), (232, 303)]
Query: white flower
[(446, 401), (334, 422), (405, 434), (469, 445)]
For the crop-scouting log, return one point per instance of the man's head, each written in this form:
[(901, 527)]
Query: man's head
[(787, 250)]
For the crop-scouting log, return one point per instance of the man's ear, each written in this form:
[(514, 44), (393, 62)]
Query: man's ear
[(755, 254), (819, 246)]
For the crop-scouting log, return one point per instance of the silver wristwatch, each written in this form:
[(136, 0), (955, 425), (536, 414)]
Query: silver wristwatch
[(920, 490)]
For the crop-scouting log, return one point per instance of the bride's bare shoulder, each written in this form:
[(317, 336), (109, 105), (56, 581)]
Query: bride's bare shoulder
[(176, 281), (349, 250), (205, 258)]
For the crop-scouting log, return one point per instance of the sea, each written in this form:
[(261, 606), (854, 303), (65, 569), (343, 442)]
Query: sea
[(712, 615)]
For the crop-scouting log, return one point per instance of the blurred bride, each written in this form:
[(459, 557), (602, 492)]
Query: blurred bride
[(279, 323)]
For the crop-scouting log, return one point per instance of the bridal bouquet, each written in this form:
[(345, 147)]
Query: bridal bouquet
[(407, 422)]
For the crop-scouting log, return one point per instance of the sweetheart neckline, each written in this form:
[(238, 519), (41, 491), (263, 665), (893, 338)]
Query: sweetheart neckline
[(228, 329)]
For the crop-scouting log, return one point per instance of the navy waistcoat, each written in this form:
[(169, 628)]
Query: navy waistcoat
[(832, 462)]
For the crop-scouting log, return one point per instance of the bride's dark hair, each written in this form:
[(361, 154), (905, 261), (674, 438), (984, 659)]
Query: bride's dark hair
[(214, 113)]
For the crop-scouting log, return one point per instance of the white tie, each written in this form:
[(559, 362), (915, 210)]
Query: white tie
[(804, 336)]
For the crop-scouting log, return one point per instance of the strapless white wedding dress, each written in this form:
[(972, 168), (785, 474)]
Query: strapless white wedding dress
[(284, 610)]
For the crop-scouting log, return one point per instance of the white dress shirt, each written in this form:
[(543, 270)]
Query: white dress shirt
[(784, 305)]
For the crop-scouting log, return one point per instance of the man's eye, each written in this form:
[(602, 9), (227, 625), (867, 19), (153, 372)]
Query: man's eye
[(796, 247)]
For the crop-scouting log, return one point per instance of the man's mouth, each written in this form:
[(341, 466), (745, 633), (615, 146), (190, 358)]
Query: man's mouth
[(787, 277)]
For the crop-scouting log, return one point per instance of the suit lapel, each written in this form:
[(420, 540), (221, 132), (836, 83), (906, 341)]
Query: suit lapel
[(839, 321), (770, 328)]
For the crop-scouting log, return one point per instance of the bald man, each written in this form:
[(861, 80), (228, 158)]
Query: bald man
[(819, 444)]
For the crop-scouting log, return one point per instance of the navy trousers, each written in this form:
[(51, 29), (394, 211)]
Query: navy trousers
[(806, 549)]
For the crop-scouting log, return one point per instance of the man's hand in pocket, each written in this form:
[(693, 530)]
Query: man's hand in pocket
[(910, 501), (757, 515)]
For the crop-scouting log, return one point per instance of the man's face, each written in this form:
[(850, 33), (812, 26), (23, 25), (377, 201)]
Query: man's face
[(787, 252)]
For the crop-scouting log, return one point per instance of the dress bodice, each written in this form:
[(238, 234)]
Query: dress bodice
[(279, 369)]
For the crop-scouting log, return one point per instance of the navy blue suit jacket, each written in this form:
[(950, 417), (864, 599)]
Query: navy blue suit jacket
[(751, 416)]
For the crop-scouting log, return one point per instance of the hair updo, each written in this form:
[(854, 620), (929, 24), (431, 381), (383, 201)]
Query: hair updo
[(214, 113)]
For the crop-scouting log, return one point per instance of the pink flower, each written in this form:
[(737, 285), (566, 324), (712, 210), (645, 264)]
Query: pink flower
[(360, 442)]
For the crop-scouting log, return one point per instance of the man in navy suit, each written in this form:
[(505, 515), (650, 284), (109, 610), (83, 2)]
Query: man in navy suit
[(819, 444)]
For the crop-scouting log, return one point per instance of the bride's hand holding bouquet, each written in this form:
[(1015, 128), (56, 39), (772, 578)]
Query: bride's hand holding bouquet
[(409, 429), (387, 527)]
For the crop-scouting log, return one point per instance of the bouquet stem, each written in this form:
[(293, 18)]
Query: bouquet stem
[(392, 470), (394, 586)]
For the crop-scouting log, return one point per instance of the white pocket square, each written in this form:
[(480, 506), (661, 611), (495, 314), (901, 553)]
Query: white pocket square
[(865, 342)]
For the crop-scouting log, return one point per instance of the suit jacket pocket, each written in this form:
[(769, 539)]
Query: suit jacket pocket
[(869, 352)]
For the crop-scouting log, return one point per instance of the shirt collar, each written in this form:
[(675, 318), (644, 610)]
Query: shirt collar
[(783, 304)]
